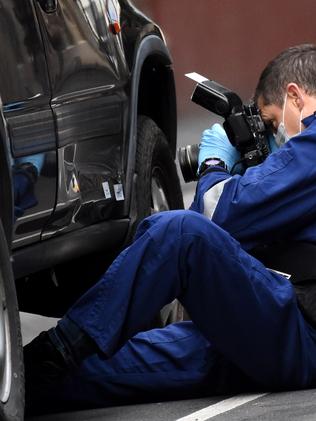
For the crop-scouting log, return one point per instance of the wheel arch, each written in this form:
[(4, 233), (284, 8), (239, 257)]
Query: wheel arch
[(153, 94), (157, 97)]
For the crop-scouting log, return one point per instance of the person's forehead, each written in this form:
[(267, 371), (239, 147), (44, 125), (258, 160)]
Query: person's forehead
[(268, 111)]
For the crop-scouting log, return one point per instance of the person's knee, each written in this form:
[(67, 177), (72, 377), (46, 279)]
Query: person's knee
[(193, 222), (158, 222), (177, 222), (199, 229), (176, 218)]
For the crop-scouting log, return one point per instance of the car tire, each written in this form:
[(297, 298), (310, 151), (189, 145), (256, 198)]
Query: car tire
[(158, 184), (158, 190), (11, 350)]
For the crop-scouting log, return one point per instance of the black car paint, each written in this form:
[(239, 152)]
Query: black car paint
[(71, 89)]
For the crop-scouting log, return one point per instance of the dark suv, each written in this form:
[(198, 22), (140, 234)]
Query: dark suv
[(88, 141)]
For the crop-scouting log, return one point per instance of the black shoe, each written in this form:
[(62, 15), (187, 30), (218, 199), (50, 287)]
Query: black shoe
[(45, 367)]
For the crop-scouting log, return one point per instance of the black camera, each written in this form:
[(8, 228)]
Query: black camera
[(243, 125)]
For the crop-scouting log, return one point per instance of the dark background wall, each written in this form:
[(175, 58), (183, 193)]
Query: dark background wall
[(229, 40)]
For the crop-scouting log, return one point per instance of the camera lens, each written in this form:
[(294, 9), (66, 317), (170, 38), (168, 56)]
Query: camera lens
[(188, 160)]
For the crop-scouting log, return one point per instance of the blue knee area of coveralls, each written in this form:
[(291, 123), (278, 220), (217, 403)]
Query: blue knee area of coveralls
[(175, 223), (170, 363)]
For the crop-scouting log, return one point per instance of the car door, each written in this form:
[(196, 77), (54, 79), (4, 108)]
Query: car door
[(25, 94), (88, 77)]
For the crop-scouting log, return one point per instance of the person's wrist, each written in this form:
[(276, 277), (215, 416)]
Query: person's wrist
[(211, 163)]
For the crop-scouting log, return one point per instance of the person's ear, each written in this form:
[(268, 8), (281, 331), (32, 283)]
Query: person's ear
[(296, 95)]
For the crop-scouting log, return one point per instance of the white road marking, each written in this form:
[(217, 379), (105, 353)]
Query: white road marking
[(221, 407)]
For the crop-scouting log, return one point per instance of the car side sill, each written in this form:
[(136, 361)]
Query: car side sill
[(105, 236)]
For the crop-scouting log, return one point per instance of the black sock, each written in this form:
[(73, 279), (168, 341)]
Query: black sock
[(72, 342)]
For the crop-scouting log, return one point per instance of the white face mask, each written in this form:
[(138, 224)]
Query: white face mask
[(282, 136)]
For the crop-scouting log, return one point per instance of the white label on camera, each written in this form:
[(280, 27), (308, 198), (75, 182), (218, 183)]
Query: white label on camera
[(118, 190), (196, 77), (106, 189)]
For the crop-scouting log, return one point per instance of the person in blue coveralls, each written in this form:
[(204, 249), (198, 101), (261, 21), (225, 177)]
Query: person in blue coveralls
[(251, 327)]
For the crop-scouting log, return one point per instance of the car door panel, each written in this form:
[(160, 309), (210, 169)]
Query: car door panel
[(25, 93), (31, 132), (89, 105), (88, 118)]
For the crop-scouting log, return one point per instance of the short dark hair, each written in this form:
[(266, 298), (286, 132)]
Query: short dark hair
[(295, 64)]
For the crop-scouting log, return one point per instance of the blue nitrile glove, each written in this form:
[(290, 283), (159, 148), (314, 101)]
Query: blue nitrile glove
[(37, 160), (215, 144)]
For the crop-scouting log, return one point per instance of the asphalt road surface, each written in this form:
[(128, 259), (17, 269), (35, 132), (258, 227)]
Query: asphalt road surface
[(287, 406), (298, 406)]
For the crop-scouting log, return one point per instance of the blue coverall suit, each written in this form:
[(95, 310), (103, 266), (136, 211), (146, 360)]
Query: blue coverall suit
[(247, 329)]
